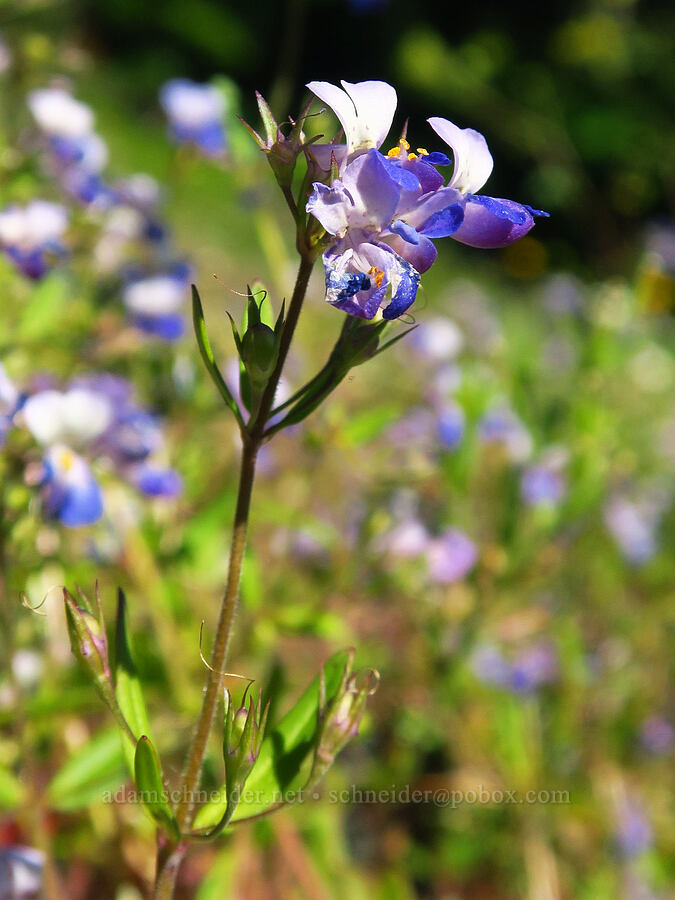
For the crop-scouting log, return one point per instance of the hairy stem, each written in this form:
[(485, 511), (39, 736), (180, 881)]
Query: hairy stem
[(169, 857)]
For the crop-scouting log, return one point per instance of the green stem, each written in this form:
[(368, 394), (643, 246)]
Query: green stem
[(169, 856)]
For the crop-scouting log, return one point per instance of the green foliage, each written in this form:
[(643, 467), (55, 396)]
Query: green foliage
[(286, 754)]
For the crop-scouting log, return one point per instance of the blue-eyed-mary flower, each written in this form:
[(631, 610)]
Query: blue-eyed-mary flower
[(31, 236), (155, 303), (364, 274), (385, 212), (195, 114), (93, 421)]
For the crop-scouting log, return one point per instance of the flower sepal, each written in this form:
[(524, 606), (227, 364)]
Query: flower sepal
[(89, 643), (340, 717), (282, 151), (243, 733)]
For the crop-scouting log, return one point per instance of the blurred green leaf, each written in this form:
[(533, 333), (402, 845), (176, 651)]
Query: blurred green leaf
[(45, 312), (96, 767)]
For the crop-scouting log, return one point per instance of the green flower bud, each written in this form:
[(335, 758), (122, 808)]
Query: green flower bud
[(339, 718), (89, 643), (242, 739), (259, 350)]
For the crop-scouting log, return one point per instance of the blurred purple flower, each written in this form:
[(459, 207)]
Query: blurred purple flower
[(6, 57), (542, 485), (633, 527), (489, 665), (156, 303), (96, 416), (450, 425), (407, 539), (451, 556), (563, 295), (657, 735), (31, 236), (501, 426), (533, 668), (76, 153), (633, 831), (9, 402)]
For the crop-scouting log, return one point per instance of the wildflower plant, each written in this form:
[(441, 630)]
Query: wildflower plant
[(372, 218)]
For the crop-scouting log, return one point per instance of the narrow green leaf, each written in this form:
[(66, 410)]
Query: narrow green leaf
[(208, 357), (148, 778), (95, 768), (128, 690), (285, 755)]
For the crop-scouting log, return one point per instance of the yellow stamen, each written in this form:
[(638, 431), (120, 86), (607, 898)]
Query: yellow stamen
[(422, 151), (377, 275), (411, 156), (394, 152), (404, 144)]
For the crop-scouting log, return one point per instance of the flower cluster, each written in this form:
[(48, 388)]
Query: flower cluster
[(93, 421), (76, 154), (384, 212), (133, 243), (450, 556)]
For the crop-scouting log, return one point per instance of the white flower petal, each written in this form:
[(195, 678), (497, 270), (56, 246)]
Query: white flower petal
[(472, 159), (365, 110), (86, 414), (43, 414), (157, 296), (59, 113)]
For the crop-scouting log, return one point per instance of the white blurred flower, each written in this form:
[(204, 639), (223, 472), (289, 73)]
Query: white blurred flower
[(27, 667), (76, 416), (155, 296), (191, 105), (58, 113), (437, 339)]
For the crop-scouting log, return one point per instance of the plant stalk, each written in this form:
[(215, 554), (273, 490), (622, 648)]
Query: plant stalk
[(169, 856)]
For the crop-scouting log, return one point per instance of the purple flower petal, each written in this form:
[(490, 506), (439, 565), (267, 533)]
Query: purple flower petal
[(491, 222)]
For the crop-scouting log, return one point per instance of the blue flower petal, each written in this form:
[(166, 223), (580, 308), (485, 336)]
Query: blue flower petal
[(491, 222), (407, 232), (443, 223), (438, 159), (402, 177), (536, 212), (169, 327), (159, 482), (405, 292)]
